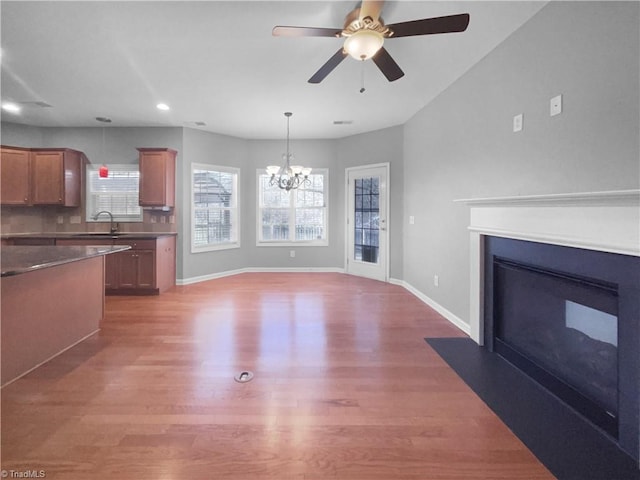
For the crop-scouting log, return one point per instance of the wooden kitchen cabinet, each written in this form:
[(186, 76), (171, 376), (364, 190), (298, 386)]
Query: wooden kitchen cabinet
[(15, 176), (149, 268), (157, 177), (136, 269), (37, 176), (56, 177)]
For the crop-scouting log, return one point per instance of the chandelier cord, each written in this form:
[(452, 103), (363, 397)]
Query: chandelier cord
[(288, 118)]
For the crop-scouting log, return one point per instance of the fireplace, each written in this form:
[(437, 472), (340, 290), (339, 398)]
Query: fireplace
[(555, 289), (565, 316)]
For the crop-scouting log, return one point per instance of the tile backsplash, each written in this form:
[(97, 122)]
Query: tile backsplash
[(65, 219)]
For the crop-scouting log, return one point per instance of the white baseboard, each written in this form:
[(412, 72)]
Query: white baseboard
[(454, 319), (228, 273), (211, 276)]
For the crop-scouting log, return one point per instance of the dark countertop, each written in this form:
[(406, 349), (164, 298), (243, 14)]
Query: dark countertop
[(90, 235), (17, 260)]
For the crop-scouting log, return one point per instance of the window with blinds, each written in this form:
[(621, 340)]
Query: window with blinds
[(298, 216), (215, 223), (116, 193)]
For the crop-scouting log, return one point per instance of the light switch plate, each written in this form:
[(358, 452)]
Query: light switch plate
[(555, 106), (518, 121)]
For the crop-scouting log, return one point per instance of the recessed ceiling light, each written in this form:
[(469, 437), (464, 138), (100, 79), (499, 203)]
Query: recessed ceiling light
[(162, 106), (11, 107)]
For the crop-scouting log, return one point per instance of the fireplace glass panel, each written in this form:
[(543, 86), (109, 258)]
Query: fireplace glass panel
[(565, 325)]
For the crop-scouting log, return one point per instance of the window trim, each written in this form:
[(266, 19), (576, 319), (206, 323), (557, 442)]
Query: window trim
[(289, 243), (217, 246), (91, 168)]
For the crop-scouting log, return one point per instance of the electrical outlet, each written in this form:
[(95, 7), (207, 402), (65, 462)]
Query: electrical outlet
[(292, 253), (436, 281), (60, 219), (75, 219), (555, 106)]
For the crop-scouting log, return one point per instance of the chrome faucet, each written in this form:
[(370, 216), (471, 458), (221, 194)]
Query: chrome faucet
[(113, 227)]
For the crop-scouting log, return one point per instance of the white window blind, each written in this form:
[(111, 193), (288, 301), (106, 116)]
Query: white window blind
[(215, 222), (117, 193), (297, 216)]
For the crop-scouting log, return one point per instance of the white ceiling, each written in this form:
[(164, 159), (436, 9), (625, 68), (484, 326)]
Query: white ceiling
[(217, 62)]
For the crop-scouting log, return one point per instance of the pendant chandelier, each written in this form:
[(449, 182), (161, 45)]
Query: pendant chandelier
[(288, 177)]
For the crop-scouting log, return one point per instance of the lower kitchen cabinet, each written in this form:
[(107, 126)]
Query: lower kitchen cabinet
[(136, 269), (147, 269)]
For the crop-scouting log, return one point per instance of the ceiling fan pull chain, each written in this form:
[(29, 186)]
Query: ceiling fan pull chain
[(362, 89)]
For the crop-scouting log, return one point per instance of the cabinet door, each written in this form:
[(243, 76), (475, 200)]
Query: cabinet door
[(157, 177), (128, 269), (15, 177), (111, 270), (146, 268), (152, 179), (47, 182), (165, 263)]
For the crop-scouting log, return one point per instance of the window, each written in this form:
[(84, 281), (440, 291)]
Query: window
[(214, 222), (297, 216), (117, 193)]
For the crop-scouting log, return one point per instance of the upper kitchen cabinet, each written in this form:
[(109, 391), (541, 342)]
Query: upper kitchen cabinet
[(157, 177), (15, 176), (39, 176), (56, 176)]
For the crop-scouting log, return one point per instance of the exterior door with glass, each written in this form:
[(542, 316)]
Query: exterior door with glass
[(367, 206)]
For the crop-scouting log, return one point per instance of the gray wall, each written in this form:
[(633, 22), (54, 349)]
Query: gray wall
[(17, 135), (461, 145), (381, 146), (253, 156), (210, 149)]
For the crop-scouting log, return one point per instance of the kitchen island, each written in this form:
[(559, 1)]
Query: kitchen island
[(52, 298)]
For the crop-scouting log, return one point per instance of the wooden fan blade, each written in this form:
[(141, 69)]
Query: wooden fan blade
[(387, 65), (371, 8), (430, 26), (281, 31), (328, 67)]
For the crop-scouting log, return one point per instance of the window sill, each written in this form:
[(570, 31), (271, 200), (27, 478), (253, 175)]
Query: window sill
[(213, 248), (293, 244)]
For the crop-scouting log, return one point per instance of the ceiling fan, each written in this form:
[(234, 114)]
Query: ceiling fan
[(365, 32)]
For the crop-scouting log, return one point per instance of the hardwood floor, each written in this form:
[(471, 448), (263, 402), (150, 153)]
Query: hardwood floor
[(345, 388)]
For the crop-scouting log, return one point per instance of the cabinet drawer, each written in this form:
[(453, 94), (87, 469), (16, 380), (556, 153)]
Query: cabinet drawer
[(82, 242), (34, 241), (137, 244)]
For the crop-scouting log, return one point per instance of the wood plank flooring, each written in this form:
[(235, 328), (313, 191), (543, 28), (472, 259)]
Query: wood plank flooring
[(345, 388)]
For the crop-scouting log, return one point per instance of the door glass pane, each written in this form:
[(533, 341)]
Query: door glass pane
[(367, 220)]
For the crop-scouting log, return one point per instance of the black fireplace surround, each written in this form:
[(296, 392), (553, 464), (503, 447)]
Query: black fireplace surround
[(570, 319)]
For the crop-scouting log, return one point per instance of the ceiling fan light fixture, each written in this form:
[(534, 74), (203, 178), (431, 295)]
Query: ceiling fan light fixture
[(363, 44)]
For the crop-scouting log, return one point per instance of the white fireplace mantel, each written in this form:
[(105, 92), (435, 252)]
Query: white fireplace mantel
[(603, 221)]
